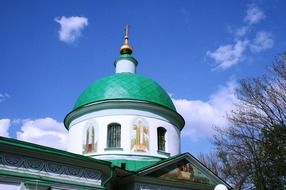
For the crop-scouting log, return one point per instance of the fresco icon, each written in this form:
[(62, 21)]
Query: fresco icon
[(140, 135), (186, 172), (90, 137)]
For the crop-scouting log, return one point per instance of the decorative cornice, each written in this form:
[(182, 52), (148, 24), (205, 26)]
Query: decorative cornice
[(174, 117), (126, 57), (40, 167)]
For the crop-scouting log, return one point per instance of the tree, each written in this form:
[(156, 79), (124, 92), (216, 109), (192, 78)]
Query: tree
[(274, 144), (212, 162), (252, 150)]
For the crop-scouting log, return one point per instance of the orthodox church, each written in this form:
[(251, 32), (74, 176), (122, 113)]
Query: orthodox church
[(124, 134)]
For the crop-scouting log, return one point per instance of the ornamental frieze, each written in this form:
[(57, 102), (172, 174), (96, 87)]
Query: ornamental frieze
[(24, 164)]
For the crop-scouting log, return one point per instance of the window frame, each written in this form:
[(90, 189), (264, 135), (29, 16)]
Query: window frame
[(161, 139), (113, 136)]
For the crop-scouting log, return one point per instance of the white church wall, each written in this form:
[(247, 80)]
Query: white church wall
[(128, 119), (4, 186)]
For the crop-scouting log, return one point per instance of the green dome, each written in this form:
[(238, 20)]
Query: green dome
[(125, 86)]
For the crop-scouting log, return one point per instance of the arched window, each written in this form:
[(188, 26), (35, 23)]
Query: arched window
[(161, 132), (113, 135)]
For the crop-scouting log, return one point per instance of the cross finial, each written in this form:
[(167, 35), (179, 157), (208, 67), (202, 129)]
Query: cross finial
[(126, 33), (126, 30), (126, 47)]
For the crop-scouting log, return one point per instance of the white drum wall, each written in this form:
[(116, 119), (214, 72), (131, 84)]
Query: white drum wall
[(125, 118)]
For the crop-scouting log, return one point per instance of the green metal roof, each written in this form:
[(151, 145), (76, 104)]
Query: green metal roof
[(133, 165), (48, 150), (125, 86)]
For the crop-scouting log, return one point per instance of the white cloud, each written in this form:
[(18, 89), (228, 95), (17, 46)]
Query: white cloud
[(44, 131), (242, 31), (254, 15), (71, 27), (231, 54), (262, 41), (228, 55), (4, 127), (4, 96), (201, 116)]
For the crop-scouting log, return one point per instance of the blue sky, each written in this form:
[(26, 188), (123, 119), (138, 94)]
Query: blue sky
[(50, 51)]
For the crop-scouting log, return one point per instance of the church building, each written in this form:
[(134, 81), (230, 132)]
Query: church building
[(124, 134)]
